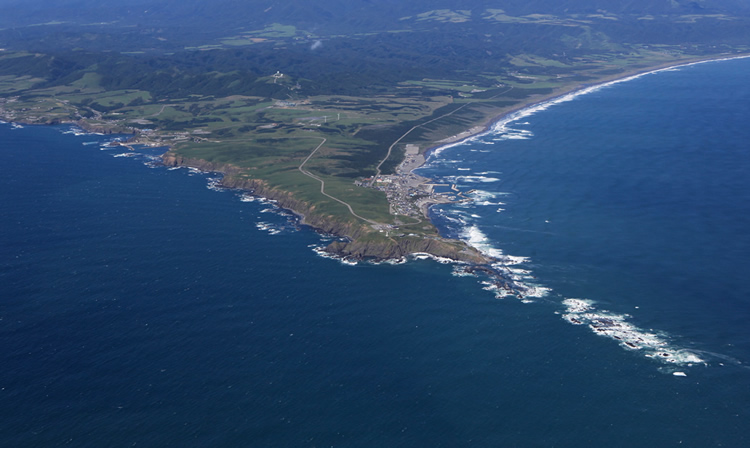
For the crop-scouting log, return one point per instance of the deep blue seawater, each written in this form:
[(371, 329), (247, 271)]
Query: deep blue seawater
[(140, 308)]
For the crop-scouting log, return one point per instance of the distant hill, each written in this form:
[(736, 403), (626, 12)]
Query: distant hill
[(327, 16)]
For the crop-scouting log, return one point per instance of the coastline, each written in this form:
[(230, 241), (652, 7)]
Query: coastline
[(525, 109), (559, 95), (399, 247)]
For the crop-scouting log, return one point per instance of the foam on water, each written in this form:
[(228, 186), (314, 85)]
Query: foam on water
[(484, 198), (215, 184), (616, 327), (470, 179), (271, 228), (196, 171), (321, 252), (424, 256), (516, 281), (505, 132)]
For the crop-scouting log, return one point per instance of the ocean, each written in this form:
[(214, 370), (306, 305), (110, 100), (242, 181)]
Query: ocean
[(146, 306)]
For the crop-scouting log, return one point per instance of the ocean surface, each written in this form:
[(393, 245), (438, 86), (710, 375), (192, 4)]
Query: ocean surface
[(143, 306)]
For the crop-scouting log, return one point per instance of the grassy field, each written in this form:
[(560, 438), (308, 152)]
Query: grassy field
[(268, 139)]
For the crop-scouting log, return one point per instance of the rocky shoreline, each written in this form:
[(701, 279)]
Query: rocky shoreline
[(358, 240), (354, 243)]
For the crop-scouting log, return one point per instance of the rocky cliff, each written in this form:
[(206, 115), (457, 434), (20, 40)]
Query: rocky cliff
[(361, 241), (233, 179), (399, 247)]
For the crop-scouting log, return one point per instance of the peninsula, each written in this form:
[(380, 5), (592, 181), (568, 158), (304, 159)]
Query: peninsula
[(331, 123)]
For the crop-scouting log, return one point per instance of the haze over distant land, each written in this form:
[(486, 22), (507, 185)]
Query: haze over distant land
[(328, 106)]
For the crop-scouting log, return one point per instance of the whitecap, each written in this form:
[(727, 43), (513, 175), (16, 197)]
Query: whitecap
[(483, 197), (196, 171), (268, 227), (536, 291), (321, 252), (215, 185), (616, 327), (476, 179), (422, 256), (476, 238)]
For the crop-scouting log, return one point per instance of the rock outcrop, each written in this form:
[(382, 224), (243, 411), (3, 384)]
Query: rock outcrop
[(399, 247)]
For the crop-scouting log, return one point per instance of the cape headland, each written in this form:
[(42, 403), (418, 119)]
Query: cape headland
[(342, 162), (357, 240), (408, 194)]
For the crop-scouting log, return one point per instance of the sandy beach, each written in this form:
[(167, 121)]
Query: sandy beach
[(559, 95)]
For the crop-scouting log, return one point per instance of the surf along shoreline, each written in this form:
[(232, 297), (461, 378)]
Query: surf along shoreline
[(561, 94), (499, 270)]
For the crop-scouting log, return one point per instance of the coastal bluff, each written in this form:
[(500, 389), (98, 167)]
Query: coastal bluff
[(359, 241)]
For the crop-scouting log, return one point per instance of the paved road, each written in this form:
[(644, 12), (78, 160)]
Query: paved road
[(323, 185)]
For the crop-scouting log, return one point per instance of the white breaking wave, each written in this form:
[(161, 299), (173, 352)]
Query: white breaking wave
[(320, 251), (616, 327), (485, 198), (502, 125), (522, 284), (196, 171), (476, 238), (268, 227), (470, 179), (578, 311), (423, 256), (215, 184), (505, 132), (512, 134)]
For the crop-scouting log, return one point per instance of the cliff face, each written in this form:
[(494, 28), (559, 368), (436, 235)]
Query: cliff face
[(365, 248), (400, 247), (233, 180)]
